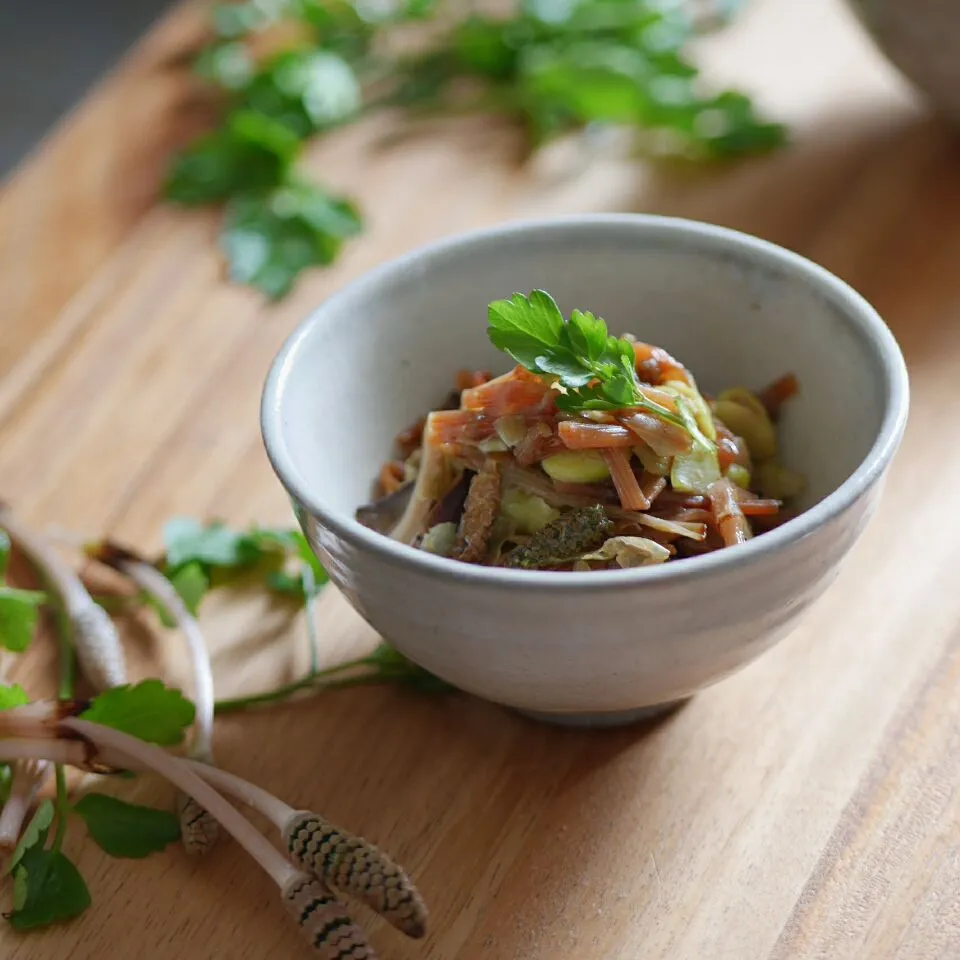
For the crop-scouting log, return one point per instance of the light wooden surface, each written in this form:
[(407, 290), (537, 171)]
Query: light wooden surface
[(807, 808)]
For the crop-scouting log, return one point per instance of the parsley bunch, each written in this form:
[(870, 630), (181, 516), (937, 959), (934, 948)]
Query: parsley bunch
[(596, 371), (561, 65), (552, 66)]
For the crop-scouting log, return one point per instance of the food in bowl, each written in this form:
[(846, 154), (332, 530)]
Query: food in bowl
[(594, 452)]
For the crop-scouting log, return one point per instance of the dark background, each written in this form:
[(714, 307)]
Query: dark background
[(51, 52)]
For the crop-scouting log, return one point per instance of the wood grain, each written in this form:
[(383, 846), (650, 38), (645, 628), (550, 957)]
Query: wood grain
[(805, 808)]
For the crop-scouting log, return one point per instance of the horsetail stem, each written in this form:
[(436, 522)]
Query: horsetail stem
[(331, 857), (353, 866), (348, 863), (324, 920), (199, 830), (94, 635), (181, 774)]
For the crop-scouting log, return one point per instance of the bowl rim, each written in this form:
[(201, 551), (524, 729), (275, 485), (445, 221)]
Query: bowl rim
[(853, 307)]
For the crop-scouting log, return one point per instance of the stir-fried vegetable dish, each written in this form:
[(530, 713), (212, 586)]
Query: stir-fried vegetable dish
[(594, 452)]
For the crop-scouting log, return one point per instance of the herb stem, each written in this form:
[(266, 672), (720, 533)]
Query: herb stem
[(66, 669), (28, 778), (93, 633), (62, 806), (309, 612), (312, 679)]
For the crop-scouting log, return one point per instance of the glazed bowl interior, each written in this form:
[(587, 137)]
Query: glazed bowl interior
[(736, 311)]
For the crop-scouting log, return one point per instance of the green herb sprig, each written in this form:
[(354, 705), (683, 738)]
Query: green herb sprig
[(551, 67), (198, 557), (596, 370)]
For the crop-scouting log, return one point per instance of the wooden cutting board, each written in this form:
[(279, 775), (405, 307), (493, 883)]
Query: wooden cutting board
[(808, 807)]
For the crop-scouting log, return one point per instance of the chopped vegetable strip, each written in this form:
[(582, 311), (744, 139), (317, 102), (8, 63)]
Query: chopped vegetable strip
[(593, 452), (625, 480)]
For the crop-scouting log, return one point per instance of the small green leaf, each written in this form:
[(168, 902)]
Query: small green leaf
[(189, 541), (192, 584), (47, 888), (5, 777), (525, 327), (308, 557), (19, 888), (269, 239), (35, 833), (12, 696), (305, 90), (587, 334), (252, 152), (149, 710), (127, 830), (18, 617)]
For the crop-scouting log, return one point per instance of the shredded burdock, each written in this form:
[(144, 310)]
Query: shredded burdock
[(480, 511), (594, 452)]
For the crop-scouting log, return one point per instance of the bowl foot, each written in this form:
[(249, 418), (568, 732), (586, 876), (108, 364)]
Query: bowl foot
[(602, 719)]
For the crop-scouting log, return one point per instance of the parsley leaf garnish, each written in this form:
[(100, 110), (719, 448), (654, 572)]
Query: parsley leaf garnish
[(595, 370), (126, 830), (149, 710)]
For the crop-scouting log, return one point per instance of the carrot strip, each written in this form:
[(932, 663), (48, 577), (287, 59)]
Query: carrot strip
[(467, 379), (595, 492), (774, 395), (583, 435), (652, 485), (540, 442), (655, 365), (458, 426), (410, 439), (671, 498), (392, 475), (518, 391), (625, 480), (729, 518), (760, 508), (730, 447)]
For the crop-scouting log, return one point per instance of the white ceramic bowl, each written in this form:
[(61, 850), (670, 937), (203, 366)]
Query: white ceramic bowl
[(603, 646)]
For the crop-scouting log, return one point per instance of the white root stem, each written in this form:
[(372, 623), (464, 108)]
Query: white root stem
[(97, 642), (274, 809), (199, 830), (148, 578), (28, 778), (135, 752), (39, 747)]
